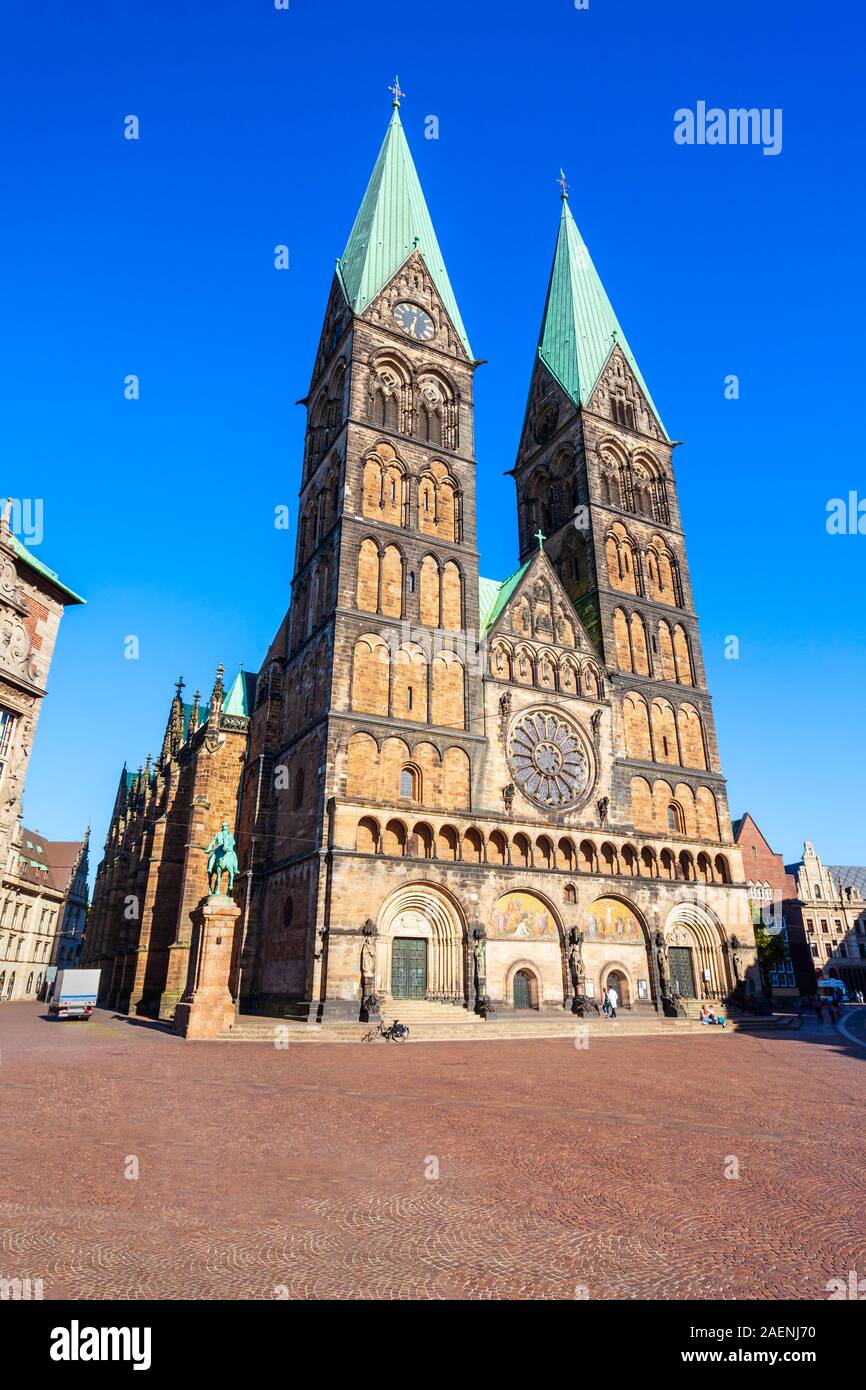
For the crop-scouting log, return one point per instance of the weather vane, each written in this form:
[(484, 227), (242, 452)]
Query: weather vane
[(563, 184), (397, 90)]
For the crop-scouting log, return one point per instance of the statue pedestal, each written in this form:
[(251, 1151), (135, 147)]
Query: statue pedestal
[(207, 1008)]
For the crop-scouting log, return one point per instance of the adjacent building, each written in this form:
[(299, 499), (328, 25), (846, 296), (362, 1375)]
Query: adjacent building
[(70, 864), (774, 906), (832, 910), (32, 905), (154, 870)]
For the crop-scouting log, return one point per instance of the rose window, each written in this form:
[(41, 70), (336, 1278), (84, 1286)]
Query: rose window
[(548, 759)]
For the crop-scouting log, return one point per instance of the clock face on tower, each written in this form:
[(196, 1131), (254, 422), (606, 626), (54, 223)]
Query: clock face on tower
[(414, 321)]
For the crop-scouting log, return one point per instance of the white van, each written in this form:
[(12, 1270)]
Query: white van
[(75, 993)]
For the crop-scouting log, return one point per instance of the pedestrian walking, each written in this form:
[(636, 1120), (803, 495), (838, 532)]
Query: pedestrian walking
[(612, 1001)]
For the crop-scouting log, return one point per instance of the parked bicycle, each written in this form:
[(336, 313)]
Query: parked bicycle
[(395, 1032)]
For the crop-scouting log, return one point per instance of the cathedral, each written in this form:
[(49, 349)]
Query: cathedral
[(483, 794)]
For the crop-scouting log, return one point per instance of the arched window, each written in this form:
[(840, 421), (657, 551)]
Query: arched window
[(675, 818), (299, 789), (410, 783)]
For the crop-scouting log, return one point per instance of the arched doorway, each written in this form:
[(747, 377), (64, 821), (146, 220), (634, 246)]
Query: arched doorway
[(694, 938), (420, 948), (619, 980), (525, 990)]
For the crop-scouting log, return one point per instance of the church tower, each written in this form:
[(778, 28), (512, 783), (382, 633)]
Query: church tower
[(594, 472), (371, 694)]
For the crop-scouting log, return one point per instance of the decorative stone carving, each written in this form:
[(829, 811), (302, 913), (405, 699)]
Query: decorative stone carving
[(603, 806), (662, 962), (508, 796), (369, 997)]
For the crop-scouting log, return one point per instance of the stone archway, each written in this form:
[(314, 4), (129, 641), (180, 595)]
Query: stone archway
[(422, 913), (524, 932), (617, 975), (694, 938), (524, 987), (616, 939)]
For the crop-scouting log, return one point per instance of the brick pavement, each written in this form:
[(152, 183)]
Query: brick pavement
[(306, 1169)]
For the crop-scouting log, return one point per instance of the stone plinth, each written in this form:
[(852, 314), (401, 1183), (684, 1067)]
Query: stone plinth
[(207, 1008)]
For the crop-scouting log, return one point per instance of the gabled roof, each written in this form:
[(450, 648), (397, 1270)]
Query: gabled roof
[(493, 595), (63, 858), (392, 222), (580, 329)]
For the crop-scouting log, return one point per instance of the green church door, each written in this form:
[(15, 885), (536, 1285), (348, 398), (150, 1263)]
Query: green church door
[(682, 975), (525, 991), (408, 968)]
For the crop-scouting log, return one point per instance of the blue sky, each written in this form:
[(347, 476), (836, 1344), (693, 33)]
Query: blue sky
[(260, 126)]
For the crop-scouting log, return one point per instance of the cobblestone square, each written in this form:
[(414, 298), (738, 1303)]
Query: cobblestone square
[(509, 1170)]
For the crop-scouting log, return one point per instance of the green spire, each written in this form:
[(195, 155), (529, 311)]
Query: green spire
[(580, 328), (392, 221)]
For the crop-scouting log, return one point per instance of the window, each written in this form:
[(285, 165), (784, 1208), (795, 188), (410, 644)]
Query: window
[(7, 728), (299, 790), (408, 697), (825, 929), (410, 784), (675, 818)]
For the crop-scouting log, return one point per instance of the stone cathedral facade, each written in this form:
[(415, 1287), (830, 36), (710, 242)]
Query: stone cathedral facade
[(450, 783)]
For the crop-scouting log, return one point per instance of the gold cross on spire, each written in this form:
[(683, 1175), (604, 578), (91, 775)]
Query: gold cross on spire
[(398, 93), (564, 185)]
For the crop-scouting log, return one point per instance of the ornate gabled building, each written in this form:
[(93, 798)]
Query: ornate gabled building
[(831, 909), (32, 603), (456, 789)]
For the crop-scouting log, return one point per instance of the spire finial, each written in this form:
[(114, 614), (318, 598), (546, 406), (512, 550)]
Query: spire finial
[(179, 685), (563, 186), (398, 92), (541, 538)]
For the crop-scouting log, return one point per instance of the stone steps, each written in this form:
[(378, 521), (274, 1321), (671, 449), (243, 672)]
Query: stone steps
[(428, 1022)]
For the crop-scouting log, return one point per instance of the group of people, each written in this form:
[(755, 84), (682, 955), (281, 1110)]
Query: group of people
[(708, 1016), (611, 999)]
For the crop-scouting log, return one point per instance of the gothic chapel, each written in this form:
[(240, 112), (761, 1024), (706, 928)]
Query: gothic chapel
[(474, 793)]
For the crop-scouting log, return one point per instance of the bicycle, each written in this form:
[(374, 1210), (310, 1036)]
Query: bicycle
[(395, 1032)]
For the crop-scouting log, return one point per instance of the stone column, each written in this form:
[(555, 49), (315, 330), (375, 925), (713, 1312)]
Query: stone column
[(207, 1008)]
